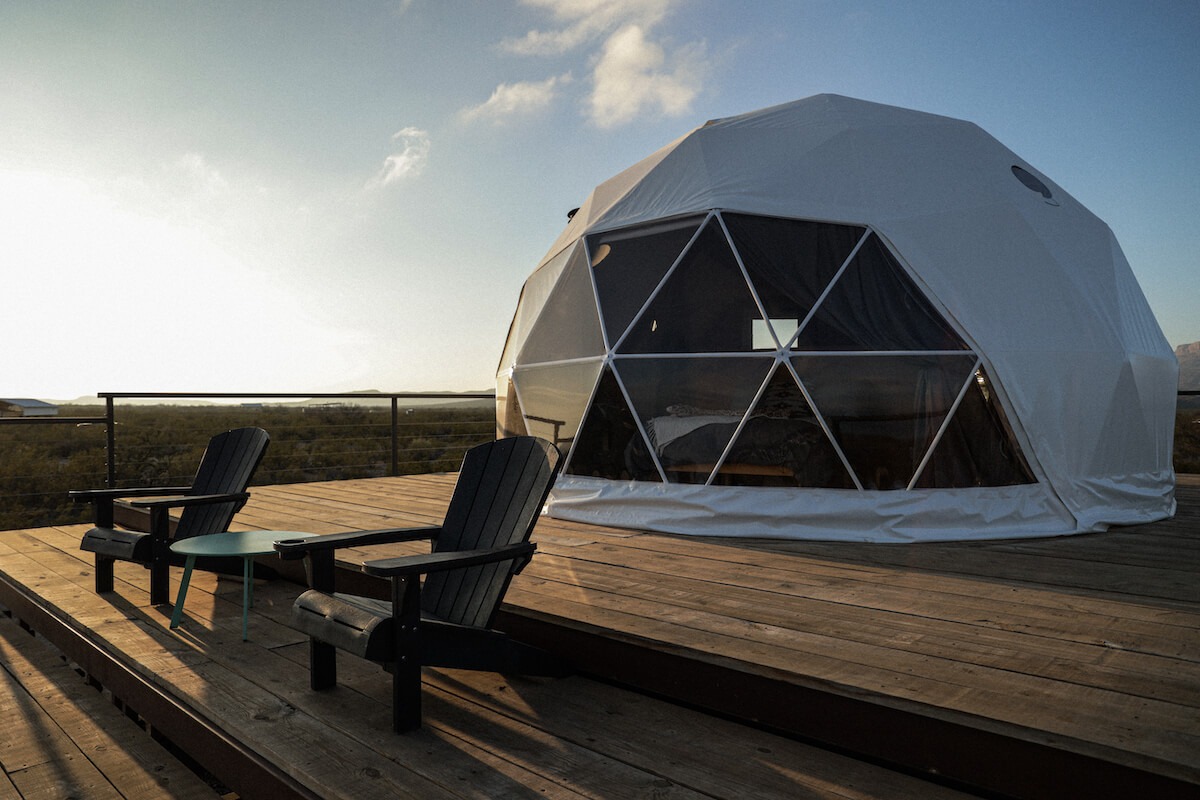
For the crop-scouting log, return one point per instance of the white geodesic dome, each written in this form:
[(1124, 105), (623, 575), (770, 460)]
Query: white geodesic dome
[(837, 319)]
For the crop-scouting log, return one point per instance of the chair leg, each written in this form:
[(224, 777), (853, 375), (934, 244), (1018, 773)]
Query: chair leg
[(104, 573), (406, 696), (406, 675), (322, 657), (160, 582), (322, 665), (160, 557)]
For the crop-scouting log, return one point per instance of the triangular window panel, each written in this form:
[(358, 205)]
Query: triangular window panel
[(884, 411), (553, 398), (534, 295), (783, 444), (691, 407), (704, 305), (978, 447), (568, 326), (629, 264), (509, 421), (790, 262), (608, 439), (874, 305)]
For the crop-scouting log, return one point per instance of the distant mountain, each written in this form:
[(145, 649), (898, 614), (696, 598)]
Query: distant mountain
[(92, 400), (362, 400)]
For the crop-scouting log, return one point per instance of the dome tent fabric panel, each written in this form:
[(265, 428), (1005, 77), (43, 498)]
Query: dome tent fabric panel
[(1042, 306), (1027, 283), (830, 515)]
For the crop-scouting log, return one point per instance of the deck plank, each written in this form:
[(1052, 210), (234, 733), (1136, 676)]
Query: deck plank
[(1138, 673), (1099, 720), (63, 738)]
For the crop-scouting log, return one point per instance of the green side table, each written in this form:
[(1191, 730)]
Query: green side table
[(246, 544)]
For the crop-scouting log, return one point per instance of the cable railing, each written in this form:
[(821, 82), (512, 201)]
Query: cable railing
[(110, 399), (354, 435), (156, 439)]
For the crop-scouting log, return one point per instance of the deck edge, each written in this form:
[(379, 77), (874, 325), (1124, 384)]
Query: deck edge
[(239, 767), (941, 750)]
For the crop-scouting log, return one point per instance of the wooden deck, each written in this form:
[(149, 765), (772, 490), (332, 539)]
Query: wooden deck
[(1039, 668)]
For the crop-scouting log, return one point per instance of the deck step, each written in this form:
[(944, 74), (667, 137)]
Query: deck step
[(64, 738)]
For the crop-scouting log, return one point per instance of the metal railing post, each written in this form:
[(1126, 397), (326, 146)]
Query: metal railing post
[(110, 438), (395, 437)]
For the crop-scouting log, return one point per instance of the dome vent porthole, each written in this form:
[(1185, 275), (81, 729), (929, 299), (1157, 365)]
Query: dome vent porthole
[(1034, 184)]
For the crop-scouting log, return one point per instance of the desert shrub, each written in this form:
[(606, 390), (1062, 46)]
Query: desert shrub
[(161, 445)]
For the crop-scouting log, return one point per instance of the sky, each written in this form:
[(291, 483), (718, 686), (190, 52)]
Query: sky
[(322, 197)]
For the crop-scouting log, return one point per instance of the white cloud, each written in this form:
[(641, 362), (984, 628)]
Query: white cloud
[(634, 75), (409, 161), (516, 98), (585, 20)]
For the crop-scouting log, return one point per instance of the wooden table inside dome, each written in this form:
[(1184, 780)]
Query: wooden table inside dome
[(245, 544)]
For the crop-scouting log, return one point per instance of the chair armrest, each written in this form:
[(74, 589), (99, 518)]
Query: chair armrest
[(87, 495), (103, 500), (289, 549), (405, 566), (191, 500)]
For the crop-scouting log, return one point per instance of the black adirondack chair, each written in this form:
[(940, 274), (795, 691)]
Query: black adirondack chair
[(216, 494), (482, 542)]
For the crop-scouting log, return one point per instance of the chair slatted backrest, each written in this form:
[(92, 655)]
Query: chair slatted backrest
[(228, 464), (501, 489)]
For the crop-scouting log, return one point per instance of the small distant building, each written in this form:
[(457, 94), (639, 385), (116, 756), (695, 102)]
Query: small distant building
[(335, 406), (21, 407)]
